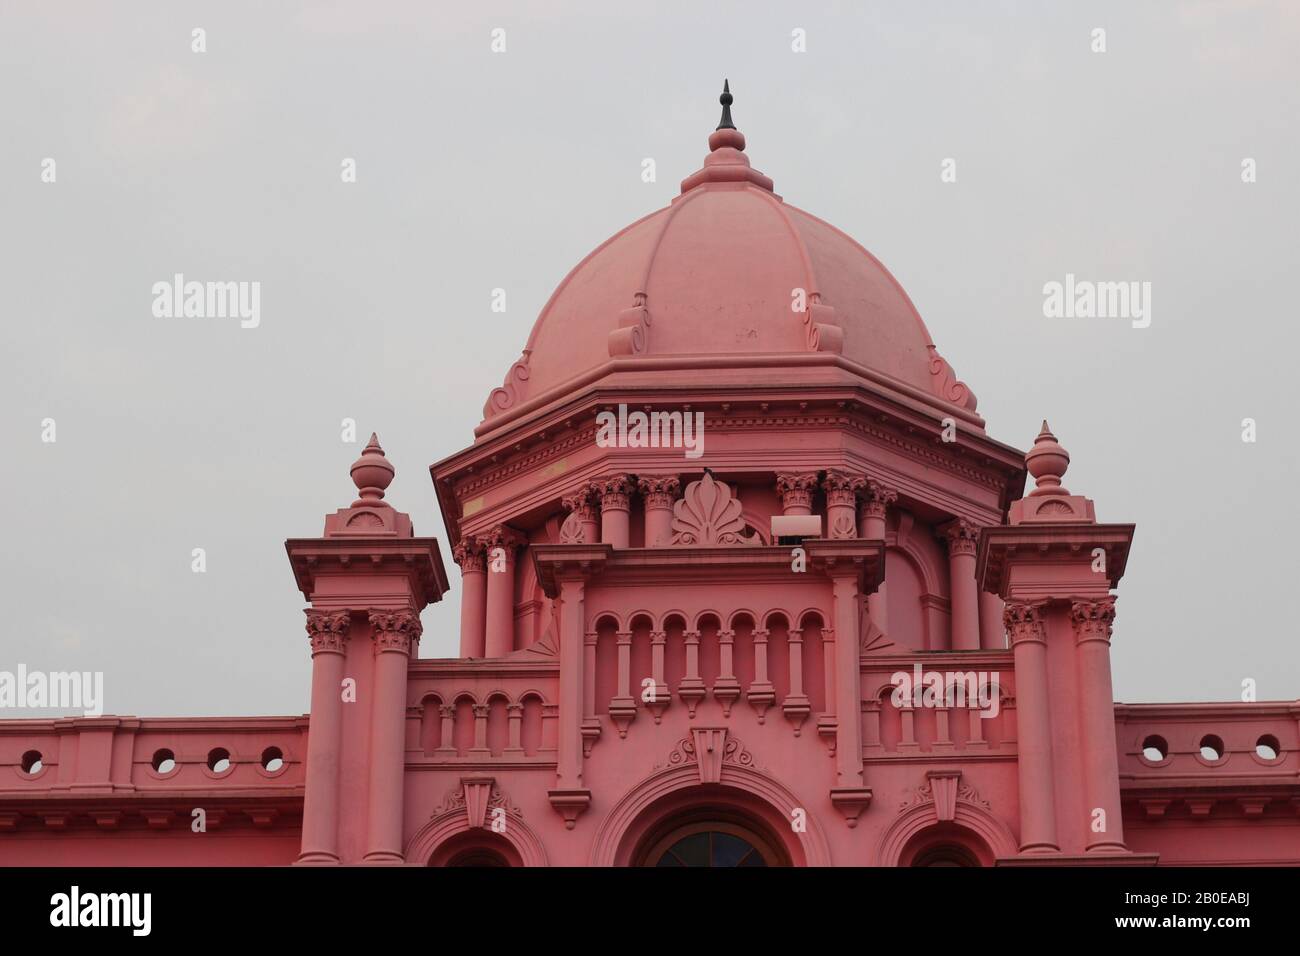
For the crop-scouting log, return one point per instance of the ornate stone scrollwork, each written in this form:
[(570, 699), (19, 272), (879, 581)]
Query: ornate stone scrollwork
[(710, 748), (943, 382), (945, 788), (478, 795), (511, 391), (630, 338)]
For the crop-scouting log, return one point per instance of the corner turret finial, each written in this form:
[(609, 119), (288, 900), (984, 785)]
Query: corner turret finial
[(1047, 462), (726, 100), (372, 473)]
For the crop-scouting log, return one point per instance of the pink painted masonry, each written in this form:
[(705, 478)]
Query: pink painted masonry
[(744, 582)]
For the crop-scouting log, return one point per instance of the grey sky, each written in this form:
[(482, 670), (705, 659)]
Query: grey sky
[(478, 170)]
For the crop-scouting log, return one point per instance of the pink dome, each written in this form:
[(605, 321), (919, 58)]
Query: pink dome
[(716, 273)]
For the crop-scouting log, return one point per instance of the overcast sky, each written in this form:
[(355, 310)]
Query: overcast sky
[(478, 170)]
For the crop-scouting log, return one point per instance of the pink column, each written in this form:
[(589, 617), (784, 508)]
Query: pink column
[(691, 689), (993, 634), (328, 631), (848, 682), (796, 491), (615, 510), (622, 707), (1092, 628), (796, 705), (963, 538), (447, 745), (395, 635), (841, 503), (470, 555), (658, 494), (502, 545), (761, 693), (1033, 727), (876, 501), (662, 695), (590, 722), (568, 765), (726, 689), (515, 713)]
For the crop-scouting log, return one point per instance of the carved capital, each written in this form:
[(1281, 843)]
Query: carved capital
[(963, 536), (1024, 621), (659, 491), (471, 554), (842, 488), (796, 490), (505, 538), (615, 492), (581, 503), (1092, 619), (327, 630), (877, 499), (395, 630)]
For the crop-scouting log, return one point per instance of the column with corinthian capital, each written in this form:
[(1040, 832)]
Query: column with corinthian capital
[(877, 499), (503, 544), (963, 540), (1028, 633), (471, 555), (658, 492), (396, 634), (1092, 620), (328, 632)]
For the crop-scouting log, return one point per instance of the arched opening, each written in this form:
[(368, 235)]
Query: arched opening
[(476, 847), (946, 844), (711, 835)]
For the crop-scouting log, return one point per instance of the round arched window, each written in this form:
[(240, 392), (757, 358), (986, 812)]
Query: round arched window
[(947, 854), (712, 844), (478, 856)]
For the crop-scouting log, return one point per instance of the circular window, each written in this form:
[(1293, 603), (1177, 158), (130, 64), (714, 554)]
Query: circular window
[(1154, 749), (219, 760), (1211, 748), (1267, 747), (164, 761), (31, 763), (272, 759)]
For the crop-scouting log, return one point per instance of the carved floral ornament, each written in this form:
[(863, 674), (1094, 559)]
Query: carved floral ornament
[(709, 514)]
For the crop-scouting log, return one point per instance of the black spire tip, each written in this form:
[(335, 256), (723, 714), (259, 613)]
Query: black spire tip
[(726, 100)]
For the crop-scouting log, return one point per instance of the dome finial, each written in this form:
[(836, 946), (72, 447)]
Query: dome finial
[(726, 100)]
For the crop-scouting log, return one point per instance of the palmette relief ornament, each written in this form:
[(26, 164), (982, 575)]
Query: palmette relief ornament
[(709, 514)]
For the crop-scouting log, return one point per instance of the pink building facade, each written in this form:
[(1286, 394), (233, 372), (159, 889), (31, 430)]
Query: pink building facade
[(744, 582)]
